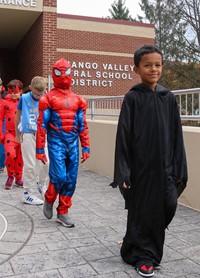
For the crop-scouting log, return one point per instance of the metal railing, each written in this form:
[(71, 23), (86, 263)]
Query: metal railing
[(109, 107)]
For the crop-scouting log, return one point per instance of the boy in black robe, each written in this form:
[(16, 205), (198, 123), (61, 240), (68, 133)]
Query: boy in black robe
[(150, 162)]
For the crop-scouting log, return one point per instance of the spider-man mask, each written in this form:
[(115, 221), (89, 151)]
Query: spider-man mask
[(61, 74), (13, 90)]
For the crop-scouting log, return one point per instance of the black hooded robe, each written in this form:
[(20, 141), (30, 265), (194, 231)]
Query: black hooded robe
[(150, 158)]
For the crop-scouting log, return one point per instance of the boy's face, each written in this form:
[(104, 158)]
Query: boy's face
[(150, 69), (14, 91), (37, 93)]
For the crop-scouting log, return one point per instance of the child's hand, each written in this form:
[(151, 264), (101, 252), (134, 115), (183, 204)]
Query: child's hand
[(125, 186), (178, 180), (18, 138), (42, 157), (84, 156)]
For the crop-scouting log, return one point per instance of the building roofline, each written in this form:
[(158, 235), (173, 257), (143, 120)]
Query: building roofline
[(105, 20)]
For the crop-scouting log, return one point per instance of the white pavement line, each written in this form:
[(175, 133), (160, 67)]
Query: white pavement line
[(6, 225)]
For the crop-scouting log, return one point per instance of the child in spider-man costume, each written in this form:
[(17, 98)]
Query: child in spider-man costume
[(14, 162), (62, 115)]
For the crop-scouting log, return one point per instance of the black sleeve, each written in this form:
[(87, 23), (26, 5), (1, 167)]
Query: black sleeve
[(180, 162), (123, 145)]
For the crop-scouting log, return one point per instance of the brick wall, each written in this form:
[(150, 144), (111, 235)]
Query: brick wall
[(37, 51), (49, 37), (30, 53), (81, 40), (50, 3), (118, 87), (99, 42), (115, 50), (49, 41)]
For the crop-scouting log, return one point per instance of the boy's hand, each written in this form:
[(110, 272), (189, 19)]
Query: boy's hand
[(84, 156), (42, 157), (178, 180), (18, 138), (125, 186)]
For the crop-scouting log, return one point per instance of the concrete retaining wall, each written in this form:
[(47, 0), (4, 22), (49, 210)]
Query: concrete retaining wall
[(102, 138)]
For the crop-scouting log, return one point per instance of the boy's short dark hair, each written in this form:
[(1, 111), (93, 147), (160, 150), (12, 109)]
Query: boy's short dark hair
[(15, 83), (145, 50)]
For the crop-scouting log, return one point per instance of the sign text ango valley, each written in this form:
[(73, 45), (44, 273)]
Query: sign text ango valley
[(99, 75)]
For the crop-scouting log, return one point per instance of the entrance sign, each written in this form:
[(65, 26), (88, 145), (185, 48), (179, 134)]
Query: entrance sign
[(23, 3), (99, 74)]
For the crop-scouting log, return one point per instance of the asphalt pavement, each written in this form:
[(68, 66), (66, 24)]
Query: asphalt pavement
[(32, 246)]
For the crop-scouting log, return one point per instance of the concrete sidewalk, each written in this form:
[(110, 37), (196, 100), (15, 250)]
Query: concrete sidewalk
[(34, 247)]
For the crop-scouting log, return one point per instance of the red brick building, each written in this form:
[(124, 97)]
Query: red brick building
[(34, 36)]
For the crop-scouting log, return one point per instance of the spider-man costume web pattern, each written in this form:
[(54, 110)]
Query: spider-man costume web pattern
[(62, 115)]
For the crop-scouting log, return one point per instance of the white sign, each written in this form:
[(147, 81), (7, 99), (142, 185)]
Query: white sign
[(99, 75), (22, 3)]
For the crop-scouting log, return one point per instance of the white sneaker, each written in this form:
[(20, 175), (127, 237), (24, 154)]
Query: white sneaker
[(41, 189), (31, 200)]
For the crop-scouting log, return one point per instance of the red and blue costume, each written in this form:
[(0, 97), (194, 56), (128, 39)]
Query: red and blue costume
[(62, 116), (14, 161)]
